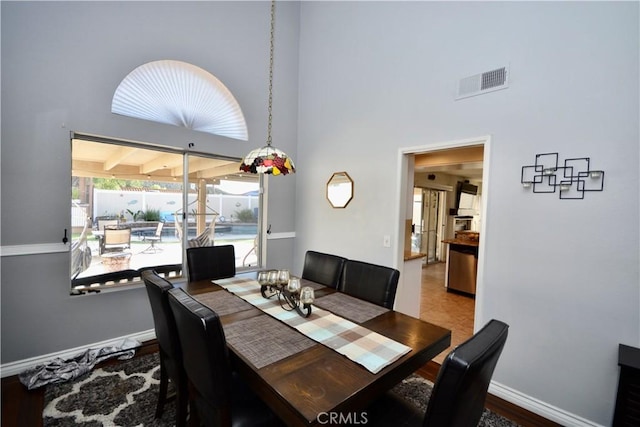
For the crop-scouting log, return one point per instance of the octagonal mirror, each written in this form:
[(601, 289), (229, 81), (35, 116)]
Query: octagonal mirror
[(340, 190)]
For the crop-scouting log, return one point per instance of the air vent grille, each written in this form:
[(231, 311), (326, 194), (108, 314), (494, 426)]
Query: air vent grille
[(483, 83)]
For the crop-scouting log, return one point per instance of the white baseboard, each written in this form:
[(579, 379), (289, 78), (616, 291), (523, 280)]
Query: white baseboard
[(539, 407), (14, 368)]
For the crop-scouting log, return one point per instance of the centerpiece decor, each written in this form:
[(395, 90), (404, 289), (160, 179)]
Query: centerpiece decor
[(280, 284)]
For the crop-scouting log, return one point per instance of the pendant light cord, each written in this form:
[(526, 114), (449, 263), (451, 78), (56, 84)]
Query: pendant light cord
[(271, 38)]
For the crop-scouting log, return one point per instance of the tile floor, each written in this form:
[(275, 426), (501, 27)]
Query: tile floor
[(447, 309)]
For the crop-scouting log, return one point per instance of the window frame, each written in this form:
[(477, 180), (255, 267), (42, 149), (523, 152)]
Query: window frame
[(186, 155)]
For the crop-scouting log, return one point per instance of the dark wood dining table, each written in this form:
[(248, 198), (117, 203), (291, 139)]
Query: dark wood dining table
[(306, 388)]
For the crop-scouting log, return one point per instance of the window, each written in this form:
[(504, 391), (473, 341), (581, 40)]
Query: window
[(134, 206)]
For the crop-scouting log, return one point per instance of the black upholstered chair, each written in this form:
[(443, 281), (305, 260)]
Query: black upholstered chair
[(171, 366), (165, 270), (211, 262), (460, 390), (213, 387), (323, 268), (370, 282)]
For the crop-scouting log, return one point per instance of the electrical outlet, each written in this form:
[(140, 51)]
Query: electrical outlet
[(386, 241)]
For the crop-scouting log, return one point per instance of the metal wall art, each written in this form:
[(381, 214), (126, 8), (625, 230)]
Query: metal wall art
[(572, 180)]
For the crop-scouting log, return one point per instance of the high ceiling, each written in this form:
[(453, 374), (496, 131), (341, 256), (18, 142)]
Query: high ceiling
[(101, 160)]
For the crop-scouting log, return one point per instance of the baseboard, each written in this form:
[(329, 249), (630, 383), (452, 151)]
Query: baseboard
[(14, 368), (518, 407), (539, 407)]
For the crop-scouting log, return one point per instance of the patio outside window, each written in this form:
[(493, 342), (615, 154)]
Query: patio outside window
[(132, 208)]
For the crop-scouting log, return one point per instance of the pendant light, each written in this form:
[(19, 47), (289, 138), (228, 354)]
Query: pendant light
[(268, 159)]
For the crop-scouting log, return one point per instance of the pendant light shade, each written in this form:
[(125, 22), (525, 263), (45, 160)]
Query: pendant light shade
[(268, 159)]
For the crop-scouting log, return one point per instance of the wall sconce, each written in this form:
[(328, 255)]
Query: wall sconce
[(573, 179)]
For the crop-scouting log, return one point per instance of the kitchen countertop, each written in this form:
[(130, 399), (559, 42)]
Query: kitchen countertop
[(463, 242), (408, 256)]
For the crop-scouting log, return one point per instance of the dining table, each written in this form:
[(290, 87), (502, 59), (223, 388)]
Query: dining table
[(304, 380)]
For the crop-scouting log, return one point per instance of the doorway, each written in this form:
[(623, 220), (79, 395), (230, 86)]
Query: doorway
[(458, 159), (428, 223)]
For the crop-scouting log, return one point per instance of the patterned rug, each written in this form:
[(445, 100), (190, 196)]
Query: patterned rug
[(417, 390), (125, 394)]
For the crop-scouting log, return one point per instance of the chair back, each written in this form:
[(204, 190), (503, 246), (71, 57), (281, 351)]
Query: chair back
[(211, 262), (370, 282), (323, 268), (106, 223), (205, 353), (163, 319), (165, 270), (117, 237), (159, 229), (460, 390)]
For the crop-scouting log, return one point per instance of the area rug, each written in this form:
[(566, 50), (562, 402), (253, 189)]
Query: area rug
[(125, 394), (417, 390)]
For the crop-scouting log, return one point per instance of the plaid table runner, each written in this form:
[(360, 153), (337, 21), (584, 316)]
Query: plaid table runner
[(368, 348)]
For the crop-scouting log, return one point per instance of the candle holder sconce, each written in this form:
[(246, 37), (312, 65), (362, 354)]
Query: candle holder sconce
[(287, 289), (572, 180)]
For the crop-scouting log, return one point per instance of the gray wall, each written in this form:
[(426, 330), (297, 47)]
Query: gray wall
[(61, 63), (376, 77)]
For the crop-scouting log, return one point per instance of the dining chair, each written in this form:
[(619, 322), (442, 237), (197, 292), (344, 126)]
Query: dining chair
[(217, 396), (165, 270), (171, 366), (370, 282), (460, 390), (323, 268), (211, 262)]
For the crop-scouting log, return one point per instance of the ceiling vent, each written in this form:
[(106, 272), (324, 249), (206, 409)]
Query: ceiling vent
[(483, 83)]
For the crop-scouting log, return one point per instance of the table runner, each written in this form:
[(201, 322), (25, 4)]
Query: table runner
[(350, 307), (263, 340), (368, 348), (223, 303)]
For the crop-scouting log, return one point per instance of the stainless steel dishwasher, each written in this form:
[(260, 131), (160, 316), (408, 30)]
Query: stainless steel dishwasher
[(463, 267)]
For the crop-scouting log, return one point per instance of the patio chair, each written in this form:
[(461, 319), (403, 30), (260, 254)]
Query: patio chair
[(115, 240), (157, 237), (107, 223)]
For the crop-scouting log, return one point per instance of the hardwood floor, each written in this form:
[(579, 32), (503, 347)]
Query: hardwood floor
[(450, 310), (455, 311), (23, 408)]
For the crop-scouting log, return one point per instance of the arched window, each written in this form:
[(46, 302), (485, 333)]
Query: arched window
[(180, 94)]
